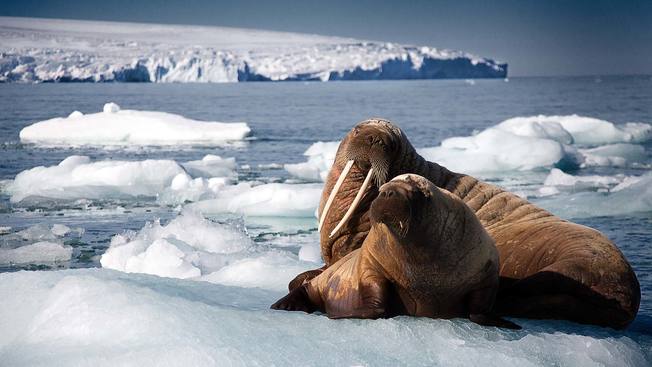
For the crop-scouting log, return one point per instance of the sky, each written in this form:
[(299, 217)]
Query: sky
[(536, 37)]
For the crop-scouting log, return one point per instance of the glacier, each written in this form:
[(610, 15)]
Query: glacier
[(56, 50)]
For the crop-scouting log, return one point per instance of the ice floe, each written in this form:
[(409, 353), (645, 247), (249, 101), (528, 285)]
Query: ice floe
[(631, 195), (273, 199), (36, 253), (136, 319), (77, 177), (321, 156), (578, 130), (115, 126), (38, 244)]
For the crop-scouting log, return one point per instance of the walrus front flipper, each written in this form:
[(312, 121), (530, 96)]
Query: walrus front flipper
[(493, 320), (304, 277), (296, 300)]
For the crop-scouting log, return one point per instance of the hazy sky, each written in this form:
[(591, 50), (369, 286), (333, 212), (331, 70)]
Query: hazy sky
[(535, 37)]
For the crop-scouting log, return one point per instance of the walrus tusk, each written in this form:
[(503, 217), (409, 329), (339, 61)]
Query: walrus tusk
[(355, 203), (336, 188)]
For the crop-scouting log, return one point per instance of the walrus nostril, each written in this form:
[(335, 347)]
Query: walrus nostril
[(390, 193)]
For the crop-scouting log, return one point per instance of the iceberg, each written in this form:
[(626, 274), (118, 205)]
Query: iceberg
[(55, 50), (144, 320), (114, 126)]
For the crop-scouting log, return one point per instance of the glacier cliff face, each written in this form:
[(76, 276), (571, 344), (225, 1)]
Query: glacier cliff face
[(52, 50)]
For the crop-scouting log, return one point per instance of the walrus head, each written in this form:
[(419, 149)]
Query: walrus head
[(372, 146), (400, 204)]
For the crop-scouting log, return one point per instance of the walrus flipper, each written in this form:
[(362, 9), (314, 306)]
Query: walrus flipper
[(296, 300), (372, 303), (304, 278), (480, 309)]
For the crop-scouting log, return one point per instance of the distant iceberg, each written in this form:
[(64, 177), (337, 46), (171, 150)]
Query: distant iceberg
[(114, 126), (54, 50)]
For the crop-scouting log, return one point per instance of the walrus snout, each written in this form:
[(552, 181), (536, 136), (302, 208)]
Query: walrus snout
[(393, 208)]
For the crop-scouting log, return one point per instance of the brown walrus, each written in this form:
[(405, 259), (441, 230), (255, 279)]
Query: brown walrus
[(549, 267), (426, 254)]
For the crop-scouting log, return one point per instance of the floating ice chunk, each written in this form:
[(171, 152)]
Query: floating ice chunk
[(74, 114), (633, 195), (321, 156), (150, 321), (558, 178), (211, 166), (496, 150), (38, 232), (616, 155), (76, 177), (36, 253), (114, 126), (60, 230), (274, 199), (111, 108), (583, 130), (186, 189)]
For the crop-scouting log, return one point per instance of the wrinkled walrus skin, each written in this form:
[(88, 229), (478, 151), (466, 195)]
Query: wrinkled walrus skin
[(550, 268), (426, 255)]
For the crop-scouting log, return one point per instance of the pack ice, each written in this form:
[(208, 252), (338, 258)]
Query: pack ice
[(38, 50), (114, 126)]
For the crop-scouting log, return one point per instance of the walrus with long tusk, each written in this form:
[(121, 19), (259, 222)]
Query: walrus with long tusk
[(426, 254), (549, 267)]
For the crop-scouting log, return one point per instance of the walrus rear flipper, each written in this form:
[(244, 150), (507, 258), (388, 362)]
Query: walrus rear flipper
[(304, 277), (493, 320), (296, 300)]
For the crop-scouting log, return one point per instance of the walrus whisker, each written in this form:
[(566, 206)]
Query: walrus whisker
[(354, 204), (331, 197)]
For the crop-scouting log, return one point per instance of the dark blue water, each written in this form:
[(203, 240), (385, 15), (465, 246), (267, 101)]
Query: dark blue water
[(286, 118)]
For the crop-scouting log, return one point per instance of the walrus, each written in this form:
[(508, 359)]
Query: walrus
[(426, 254), (550, 268)]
